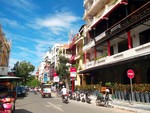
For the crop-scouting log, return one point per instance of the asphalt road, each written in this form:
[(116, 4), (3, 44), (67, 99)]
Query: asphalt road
[(35, 104)]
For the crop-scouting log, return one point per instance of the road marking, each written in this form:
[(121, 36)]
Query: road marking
[(57, 106)]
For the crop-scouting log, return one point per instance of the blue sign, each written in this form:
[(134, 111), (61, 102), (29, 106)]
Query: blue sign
[(45, 75), (45, 78)]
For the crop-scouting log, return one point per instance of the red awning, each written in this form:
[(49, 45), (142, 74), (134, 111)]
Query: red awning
[(72, 57)]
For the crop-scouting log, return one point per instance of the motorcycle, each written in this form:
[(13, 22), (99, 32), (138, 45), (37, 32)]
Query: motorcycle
[(7, 105), (8, 94), (74, 96), (65, 98), (70, 95), (82, 97), (105, 100), (78, 96), (87, 97)]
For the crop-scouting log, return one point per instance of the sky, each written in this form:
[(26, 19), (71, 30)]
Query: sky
[(34, 26)]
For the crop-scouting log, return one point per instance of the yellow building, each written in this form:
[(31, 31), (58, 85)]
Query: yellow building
[(4, 53)]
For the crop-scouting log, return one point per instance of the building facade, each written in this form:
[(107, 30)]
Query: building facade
[(57, 50), (4, 53), (46, 71), (116, 39)]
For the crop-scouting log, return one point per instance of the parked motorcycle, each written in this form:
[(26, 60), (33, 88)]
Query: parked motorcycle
[(70, 95), (82, 97), (7, 105), (87, 97), (105, 100), (78, 96), (8, 94), (65, 98), (74, 96)]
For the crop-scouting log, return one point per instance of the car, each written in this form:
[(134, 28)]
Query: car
[(21, 91), (45, 90)]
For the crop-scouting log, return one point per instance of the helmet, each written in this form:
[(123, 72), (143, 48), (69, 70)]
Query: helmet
[(63, 86), (107, 90)]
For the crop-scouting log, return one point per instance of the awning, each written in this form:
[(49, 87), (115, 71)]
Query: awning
[(10, 78), (127, 60), (72, 57)]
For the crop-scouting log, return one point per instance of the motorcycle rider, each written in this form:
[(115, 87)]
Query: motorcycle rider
[(63, 91)]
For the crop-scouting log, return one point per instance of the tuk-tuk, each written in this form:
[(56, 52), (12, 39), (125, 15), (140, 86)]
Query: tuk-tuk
[(46, 90), (8, 94)]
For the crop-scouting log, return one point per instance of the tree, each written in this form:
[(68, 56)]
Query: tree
[(31, 81), (63, 70), (23, 69)]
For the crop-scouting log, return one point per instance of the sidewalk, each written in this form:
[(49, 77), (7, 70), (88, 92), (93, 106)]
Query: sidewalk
[(137, 107)]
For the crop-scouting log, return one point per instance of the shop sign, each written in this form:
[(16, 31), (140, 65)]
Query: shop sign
[(73, 72), (3, 70), (55, 74), (56, 79)]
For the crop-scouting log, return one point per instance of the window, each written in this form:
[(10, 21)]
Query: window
[(111, 50), (123, 45), (144, 37)]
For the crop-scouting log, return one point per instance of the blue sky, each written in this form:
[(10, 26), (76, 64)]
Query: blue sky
[(35, 25)]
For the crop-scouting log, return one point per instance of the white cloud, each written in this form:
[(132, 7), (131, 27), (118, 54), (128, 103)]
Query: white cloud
[(26, 5), (10, 23), (57, 23), (63, 20)]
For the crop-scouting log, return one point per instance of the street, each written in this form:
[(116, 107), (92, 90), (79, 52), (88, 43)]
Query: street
[(35, 104)]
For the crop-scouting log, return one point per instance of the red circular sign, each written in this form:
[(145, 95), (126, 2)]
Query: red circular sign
[(130, 73)]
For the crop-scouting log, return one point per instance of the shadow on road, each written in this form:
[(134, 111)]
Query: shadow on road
[(21, 111), (20, 97)]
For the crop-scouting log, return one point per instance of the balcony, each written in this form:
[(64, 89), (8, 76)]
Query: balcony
[(129, 54), (131, 21), (106, 10), (95, 7), (90, 64), (99, 37), (123, 56), (89, 46), (79, 39), (72, 44), (72, 58)]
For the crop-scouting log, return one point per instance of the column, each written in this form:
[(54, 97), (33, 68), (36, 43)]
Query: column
[(95, 53), (129, 40), (108, 47), (85, 58)]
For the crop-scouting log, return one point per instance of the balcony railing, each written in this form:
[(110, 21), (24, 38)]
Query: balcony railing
[(109, 7), (126, 55), (131, 21), (89, 45), (99, 37), (90, 64)]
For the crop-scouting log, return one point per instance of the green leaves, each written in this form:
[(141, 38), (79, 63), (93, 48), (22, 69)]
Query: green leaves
[(23, 69), (62, 69)]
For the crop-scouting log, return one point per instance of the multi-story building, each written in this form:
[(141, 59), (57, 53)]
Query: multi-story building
[(46, 71), (79, 55), (117, 39), (41, 72), (4, 53), (57, 50)]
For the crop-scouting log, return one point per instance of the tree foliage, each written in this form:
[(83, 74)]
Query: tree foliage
[(31, 81), (62, 69), (23, 69)]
